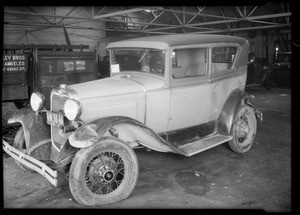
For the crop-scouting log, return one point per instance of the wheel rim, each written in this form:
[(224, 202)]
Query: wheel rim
[(104, 173), (244, 129)]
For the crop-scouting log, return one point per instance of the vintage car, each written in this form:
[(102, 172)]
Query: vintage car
[(177, 93), (257, 74), (281, 68)]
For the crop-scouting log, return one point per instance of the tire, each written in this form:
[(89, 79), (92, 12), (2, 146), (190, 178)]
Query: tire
[(243, 130), (103, 173), (19, 143)]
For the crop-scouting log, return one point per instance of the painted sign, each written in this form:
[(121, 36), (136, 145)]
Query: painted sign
[(15, 63)]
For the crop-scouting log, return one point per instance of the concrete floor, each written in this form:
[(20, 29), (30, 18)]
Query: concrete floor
[(214, 179)]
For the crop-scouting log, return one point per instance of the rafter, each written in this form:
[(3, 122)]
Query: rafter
[(252, 11), (239, 11), (242, 29), (86, 19), (67, 14), (283, 9), (118, 13), (192, 13), (179, 21), (86, 12), (186, 19), (200, 10), (227, 24), (100, 11), (155, 18), (34, 11)]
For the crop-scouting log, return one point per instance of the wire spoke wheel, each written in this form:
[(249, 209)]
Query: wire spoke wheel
[(103, 173), (9, 131), (243, 130)]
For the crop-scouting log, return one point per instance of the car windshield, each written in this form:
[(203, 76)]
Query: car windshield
[(138, 60)]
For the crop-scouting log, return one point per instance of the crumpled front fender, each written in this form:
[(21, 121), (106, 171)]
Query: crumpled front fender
[(125, 128), (36, 132)]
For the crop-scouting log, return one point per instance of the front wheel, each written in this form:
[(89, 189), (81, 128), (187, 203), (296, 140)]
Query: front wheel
[(243, 130), (103, 173), (19, 143)]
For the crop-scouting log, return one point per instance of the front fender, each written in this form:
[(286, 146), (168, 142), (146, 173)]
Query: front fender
[(125, 128), (236, 98), (36, 132)]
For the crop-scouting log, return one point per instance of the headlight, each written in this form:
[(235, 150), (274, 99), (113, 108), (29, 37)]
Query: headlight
[(37, 101), (72, 109)]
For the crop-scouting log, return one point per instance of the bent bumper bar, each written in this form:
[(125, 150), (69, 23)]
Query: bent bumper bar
[(31, 162)]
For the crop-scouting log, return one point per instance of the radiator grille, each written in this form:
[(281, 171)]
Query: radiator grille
[(57, 105)]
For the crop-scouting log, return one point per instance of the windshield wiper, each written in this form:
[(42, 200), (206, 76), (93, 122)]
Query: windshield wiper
[(144, 54)]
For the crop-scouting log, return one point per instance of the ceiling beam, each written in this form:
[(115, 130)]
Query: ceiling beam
[(86, 12), (286, 18), (179, 21), (34, 11), (252, 11), (200, 10), (240, 19), (239, 11), (67, 15), (155, 18), (86, 19), (20, 25), (118, 13), (268, 16), (101, 11), (198, 14), (159, 26), (242, 29), (268, 23), (222, 13)]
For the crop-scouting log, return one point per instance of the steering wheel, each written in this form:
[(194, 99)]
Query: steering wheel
[(157, 69)]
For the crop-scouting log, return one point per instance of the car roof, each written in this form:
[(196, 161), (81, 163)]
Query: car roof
[(165, 41)]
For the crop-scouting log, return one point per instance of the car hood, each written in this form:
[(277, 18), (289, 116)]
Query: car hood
[(116, 85)]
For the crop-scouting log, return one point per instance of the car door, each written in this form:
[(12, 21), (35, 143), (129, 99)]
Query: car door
[(190, 94), (224, 76)]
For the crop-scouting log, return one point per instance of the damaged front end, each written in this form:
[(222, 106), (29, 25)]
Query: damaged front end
[(33, 148), (37, 138), (34, 145)]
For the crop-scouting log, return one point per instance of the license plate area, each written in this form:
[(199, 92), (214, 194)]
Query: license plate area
[(55, 119)]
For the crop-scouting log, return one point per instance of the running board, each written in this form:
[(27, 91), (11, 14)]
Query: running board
[(204, 144)]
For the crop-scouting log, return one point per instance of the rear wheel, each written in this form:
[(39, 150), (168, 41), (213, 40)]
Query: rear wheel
[(103, 173), (243, 130)]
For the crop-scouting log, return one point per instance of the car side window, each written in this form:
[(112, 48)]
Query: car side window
[(190, 62), (222, 59)]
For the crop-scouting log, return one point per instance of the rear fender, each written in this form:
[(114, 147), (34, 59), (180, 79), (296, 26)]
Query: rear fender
[(233, 102), (125, 128), (36, 132)]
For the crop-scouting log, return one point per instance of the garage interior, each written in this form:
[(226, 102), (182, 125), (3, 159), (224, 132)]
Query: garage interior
[(214, 179)]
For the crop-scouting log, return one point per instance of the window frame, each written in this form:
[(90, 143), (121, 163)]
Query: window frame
[(191, 80), (228, 72), (111, 53)]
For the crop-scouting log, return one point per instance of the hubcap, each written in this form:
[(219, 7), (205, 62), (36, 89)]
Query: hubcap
[(108, 176)]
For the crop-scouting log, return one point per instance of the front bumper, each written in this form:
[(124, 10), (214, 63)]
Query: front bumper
[(31, 162)]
